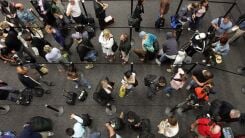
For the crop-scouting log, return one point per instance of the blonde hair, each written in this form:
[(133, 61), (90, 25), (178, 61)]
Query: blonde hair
[(21, 70), (106, 33), (47, 48), (4, 25)]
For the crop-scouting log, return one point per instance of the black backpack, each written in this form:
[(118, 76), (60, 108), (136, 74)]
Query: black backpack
[(83, 95), (117, 123), (159, 22), (149, 79), (71, 98), (40, 124), (87, 120), (25, 97)]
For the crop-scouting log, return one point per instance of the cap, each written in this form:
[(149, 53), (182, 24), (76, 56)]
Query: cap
[(142, 34)]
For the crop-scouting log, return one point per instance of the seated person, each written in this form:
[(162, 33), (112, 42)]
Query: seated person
[(169, 127), (150, 46), (129, 81), (222, 46), (132, 120), (223, 111), (105, 92)]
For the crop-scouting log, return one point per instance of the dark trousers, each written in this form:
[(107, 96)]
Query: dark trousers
[(22, 50), (80, 19)]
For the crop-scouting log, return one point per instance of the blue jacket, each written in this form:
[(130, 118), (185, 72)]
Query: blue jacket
[(27, 132)]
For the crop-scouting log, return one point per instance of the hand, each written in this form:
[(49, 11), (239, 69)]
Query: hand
[(61, 16), (30, 9), (72, 116), (107, 124)]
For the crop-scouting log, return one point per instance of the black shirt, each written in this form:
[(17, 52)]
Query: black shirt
[(198, 73), (39, 44), (12, 42)]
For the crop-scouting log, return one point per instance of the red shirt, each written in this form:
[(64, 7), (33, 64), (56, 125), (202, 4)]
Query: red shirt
[(204, 128)]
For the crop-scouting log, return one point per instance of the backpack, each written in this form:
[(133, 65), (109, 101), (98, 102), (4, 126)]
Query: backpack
[(114, 46), (87, 120), (145, 125), (83, 96), (149, 79), (159, 22), (25, 97), (211, 29), (40, 124), (116, 123), (91, 31), (71, 98), (175, 23)]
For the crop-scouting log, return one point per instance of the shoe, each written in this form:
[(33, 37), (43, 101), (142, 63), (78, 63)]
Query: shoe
[(76, 86), (188, 87), (89, 87), (169, 70), (89, 66), (167, 94), (50, 133), (47, 91), (158, 61)]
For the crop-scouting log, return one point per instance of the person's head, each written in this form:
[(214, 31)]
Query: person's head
[(27, 36), (161, 81), (69, 131), (106, 33), (49, 29), (19, 6), (226, 19), (131, 116), (47, 49), (223, 40), (140, 2), (124, 37), (193, 6), (127, 74), (72, 2), (172, 121), (234, 113), (22, 70), (170, 35), (204, 3), (142, 34), (207, 74), (215, 129)]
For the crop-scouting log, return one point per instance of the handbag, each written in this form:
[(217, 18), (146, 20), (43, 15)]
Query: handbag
[(114, 46), (132, 21), (159, 22), (122, 91)]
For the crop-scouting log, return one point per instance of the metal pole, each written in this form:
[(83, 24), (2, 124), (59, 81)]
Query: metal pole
[(52, 108), (132, 4), (131, 28), (180, 3), (132, 67), (84, 8), (232, 6)]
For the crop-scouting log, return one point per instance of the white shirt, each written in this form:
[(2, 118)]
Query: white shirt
[(53, 56), (74, 9), (106, 44), (167, 130), (79, 130)]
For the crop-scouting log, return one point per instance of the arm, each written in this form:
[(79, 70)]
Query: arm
[(110, 130), (77, 118), (197, 81), (214, 23), (108, 44), (68, 10)]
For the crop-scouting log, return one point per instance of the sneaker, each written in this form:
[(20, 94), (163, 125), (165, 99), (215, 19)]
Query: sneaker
[(89, 87), (89, 66), (167, 94), (158, 61), (169, 70), (76, 86), (188, 87)]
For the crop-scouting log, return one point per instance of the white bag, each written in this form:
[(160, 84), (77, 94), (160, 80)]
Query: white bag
[(108, 18)]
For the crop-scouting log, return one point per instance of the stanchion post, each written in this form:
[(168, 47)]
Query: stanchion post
[(180, 3), (232, 6), (84, 8)]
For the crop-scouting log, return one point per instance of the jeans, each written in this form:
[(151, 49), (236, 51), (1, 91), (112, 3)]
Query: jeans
[(82, 81), (168, 89)]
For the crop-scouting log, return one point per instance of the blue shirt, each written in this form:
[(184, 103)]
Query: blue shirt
[(148, 43), (222, 49), (222, 27), (242, 26), (79, 130), (59, 38), (26, 16)]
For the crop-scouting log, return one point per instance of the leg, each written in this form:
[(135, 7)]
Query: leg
[(150, 92), (168, 90), (101, 23), (140, 53), (84, 82), (238, 34)]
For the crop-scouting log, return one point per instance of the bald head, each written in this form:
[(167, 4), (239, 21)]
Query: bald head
[(216, 129), (235, 113)]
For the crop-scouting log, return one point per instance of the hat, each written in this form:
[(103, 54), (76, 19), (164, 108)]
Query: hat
[(142, 34)]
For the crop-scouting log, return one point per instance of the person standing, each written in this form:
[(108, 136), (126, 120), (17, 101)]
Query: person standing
[(100, 12), (74, 10), (124, 48), (222, 46), (139, 9), (129, 81), (154, 84), (106, 40), (56, 34), (239, 28), (164, 7)]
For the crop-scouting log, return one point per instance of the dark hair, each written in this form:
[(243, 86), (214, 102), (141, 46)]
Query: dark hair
[(128, 74), (223, 40), (161, 79), (140, 2), (27, 36), (172, 120), (69, 131), (208, 75)]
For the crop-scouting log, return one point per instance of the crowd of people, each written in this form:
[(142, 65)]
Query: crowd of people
[(24, 43)]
